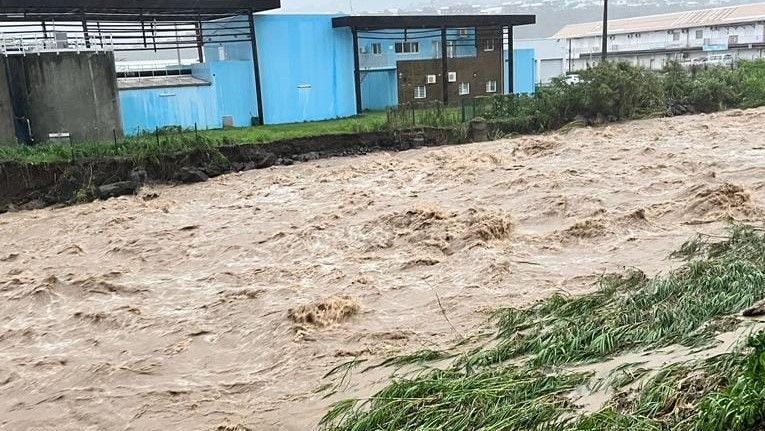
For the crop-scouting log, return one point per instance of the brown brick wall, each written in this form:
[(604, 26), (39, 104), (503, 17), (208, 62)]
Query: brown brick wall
[(485, 66)]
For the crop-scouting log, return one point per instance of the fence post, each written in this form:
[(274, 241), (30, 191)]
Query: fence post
[(414, 115), (116, 148)]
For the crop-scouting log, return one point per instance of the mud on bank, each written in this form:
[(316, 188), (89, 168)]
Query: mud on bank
[(30, 186)]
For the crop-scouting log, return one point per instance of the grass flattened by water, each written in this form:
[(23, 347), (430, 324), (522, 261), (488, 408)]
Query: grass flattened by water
[(629, 313)]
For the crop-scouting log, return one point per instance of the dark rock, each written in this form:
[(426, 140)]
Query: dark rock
[(213, 170), (35, 204), (307, 157), (756, 310), (190, 174), (285, 161), (117, 189), (150, 197), (138, 176)]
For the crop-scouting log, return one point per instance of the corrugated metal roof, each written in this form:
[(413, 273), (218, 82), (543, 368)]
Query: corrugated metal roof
[(669, 21), (159, 82)]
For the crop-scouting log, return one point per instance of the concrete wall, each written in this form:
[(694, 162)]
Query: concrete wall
[(67, 92), (306, 68), (231, 92), (7, 129)]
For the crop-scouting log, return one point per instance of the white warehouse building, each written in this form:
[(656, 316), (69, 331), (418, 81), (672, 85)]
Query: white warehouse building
[(651, 41)]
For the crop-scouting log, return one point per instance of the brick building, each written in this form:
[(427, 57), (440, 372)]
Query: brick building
[(477, 75)]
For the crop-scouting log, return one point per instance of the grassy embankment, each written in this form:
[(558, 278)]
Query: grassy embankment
[(172, 141), (528, 377)]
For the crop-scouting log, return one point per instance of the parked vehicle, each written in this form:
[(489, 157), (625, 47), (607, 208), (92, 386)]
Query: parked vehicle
[(572, 79), (719, 60), (694, 62)]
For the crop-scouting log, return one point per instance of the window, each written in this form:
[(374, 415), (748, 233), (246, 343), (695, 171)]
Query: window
[(407, 47), (452, 76), (436, 49), (431, 79), (489, 45), (464, 88), (491, 86), (732, 40), (699, 34), (451, 48), (676, 37), (376, 48), (421, 92), (464, 33)]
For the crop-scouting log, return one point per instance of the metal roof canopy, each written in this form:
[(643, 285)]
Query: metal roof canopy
[(384, 22), (129, 10)]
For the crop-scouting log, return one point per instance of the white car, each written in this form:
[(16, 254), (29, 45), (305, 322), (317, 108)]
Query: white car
[(572, 79), (694, 62), (720, 60)]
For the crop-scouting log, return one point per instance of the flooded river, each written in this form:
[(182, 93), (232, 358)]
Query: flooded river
[(221, 306)]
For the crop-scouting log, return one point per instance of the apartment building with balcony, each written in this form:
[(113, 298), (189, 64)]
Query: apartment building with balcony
[(652, 41)]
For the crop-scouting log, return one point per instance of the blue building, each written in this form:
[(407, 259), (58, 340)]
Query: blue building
[(307, 68)]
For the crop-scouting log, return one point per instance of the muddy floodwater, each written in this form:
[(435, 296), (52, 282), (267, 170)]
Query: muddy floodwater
[(221, 306)]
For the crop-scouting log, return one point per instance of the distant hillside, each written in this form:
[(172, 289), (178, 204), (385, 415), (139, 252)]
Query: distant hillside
[(551, 14)]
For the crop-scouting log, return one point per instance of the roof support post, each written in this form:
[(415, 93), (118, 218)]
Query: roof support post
[(444, 67), (510, 61), (85, 33), (256, 66), (200, 41), (605, 31), (357, 70)]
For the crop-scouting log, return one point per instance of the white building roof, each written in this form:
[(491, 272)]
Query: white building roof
[(670, 21)]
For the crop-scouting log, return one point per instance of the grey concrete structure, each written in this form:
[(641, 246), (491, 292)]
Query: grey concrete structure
[(68, 92), (7, 131)]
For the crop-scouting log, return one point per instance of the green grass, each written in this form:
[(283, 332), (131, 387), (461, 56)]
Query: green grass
[(173, 141), (483, 391)]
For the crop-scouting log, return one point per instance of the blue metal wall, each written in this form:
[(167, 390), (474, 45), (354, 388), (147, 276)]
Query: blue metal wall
[(230, 93), (525, 71), (306, 68), (379, 89)]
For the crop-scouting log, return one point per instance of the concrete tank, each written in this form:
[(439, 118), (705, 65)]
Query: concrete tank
[(67, 92), (7, 129)]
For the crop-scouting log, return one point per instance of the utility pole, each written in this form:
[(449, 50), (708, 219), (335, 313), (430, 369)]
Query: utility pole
[(604, 52)]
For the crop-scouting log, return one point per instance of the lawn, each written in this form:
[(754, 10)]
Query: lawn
[(172, 141)]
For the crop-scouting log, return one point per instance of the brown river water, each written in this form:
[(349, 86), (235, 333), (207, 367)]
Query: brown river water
[(221, 306)]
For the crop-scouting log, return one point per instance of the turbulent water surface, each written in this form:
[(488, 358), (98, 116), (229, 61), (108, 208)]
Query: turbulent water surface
[(221, 306)]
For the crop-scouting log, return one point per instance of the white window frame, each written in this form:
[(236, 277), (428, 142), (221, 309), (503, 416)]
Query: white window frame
[(463, 33), (451, 49), (464, 89), (491, 86), (420, 92), (407, 44), (452, 76), (489, 45), (431, 79), (377, 48), (699, 32)]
